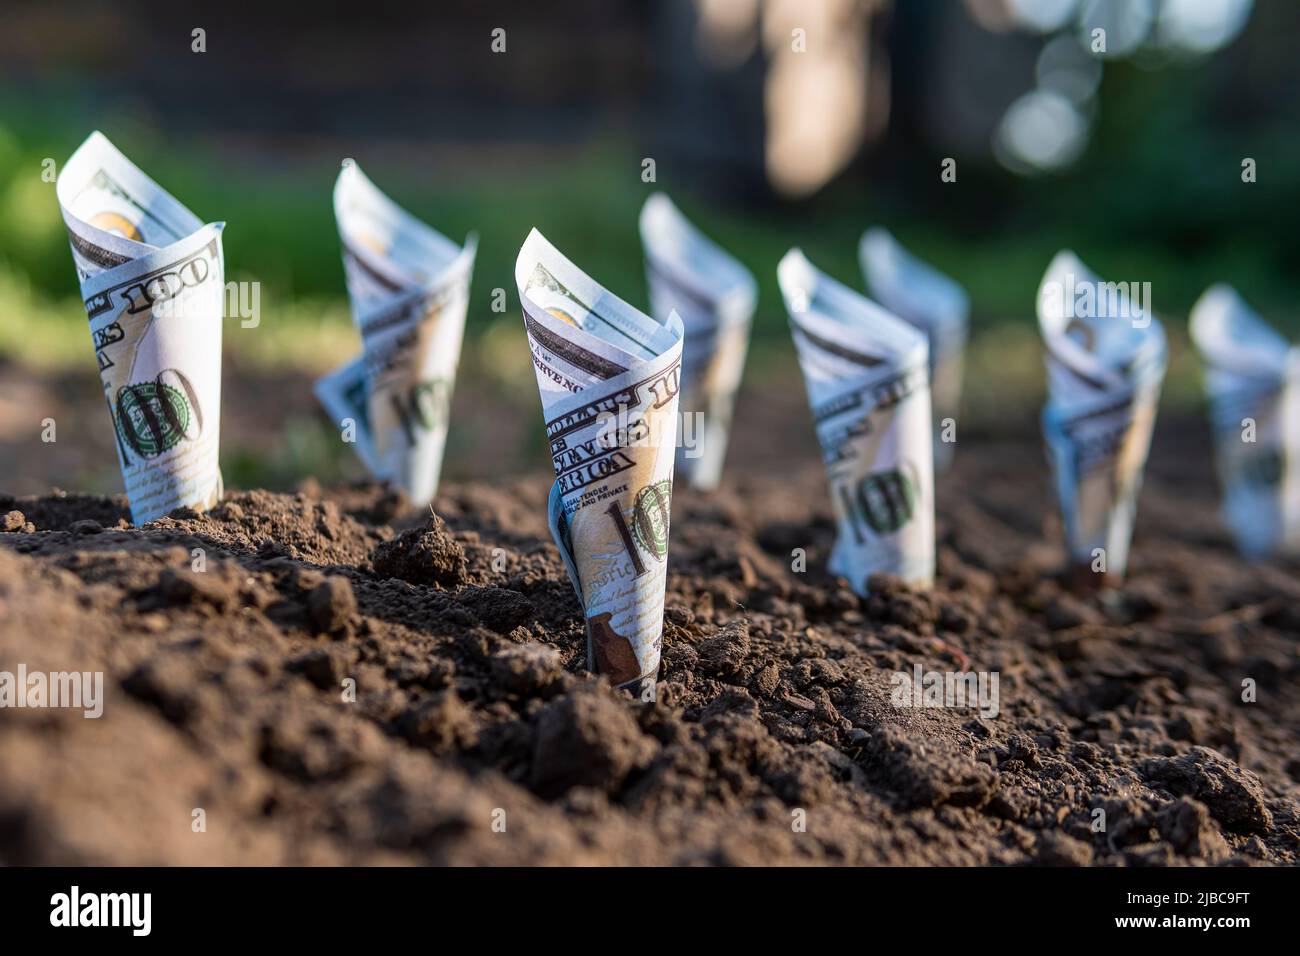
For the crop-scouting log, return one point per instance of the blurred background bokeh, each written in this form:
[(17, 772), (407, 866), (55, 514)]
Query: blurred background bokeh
[(771, 122)]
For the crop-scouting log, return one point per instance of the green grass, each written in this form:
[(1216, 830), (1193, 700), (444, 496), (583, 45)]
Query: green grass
[(1173, 217)]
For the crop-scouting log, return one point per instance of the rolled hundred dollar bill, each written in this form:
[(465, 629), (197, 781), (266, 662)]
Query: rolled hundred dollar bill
[(1252, 376), (868, 381), (935, 304), (153, 278), (409, 288), (715, 296), (608, 376), (1105, 355)]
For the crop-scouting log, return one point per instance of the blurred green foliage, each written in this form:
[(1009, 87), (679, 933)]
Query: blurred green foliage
[(1158, 197)]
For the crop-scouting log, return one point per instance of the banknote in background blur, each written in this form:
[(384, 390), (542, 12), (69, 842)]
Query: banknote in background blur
[(715, 296), (608, 377), (1105, 354), (868, 381), (409, 288), (152, 276), (935, 304), (1252, 376)]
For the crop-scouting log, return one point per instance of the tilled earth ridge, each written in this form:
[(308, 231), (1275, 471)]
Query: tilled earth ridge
[(477, 736)]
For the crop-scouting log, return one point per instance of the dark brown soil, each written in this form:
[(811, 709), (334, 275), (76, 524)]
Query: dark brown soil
[(477, 736)]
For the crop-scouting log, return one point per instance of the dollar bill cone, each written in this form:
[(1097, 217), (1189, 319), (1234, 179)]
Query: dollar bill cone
[(608, 377), (715, 296), (867, 377), (922, 295), (1105, 357), (1252, 379), (409, 289), (152, 276)]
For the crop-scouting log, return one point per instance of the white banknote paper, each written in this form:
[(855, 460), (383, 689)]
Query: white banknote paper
[(1105, 354), (715, 296), (868, 381), (1252, 377), (152, 276), (409, 289), (922, 295), (608, 377)]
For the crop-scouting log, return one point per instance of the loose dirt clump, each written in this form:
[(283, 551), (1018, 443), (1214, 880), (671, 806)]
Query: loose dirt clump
[(427, 555), (331, 680)]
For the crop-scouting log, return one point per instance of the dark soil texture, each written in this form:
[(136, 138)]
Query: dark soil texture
[(344, 682)]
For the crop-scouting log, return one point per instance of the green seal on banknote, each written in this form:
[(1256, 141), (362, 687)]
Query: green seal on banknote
[(888, 499), (152, 417), (650, 517)]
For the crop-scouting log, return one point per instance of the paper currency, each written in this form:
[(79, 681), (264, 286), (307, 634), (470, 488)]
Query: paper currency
[(935, 304), (1105, 354), (715, 296), (608, 378), (868, 381), (153, 278), (409, 288), (1252, 376)]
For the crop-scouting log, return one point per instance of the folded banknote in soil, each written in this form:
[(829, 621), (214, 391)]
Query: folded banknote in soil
[(715, 297), (1105, 355), (868, 381), (152, 276), (409, 289), (1252, 377), (922, 295), (608, 376)]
